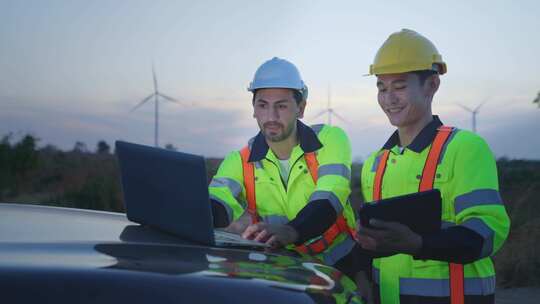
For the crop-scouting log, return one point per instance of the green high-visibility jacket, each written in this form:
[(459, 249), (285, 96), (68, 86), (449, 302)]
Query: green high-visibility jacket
[(280, 202), (467, 178)]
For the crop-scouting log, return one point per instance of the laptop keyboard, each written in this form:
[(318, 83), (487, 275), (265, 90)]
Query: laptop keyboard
[(224, 237)]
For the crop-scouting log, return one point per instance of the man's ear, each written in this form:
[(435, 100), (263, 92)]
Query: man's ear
[(301, 109), (432, 84)]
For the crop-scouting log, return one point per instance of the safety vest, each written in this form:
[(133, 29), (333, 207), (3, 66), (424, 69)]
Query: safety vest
[(328, 237), (426, 183), (466, 175)]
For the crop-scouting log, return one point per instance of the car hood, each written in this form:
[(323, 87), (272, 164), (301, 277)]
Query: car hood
[(104, 252)]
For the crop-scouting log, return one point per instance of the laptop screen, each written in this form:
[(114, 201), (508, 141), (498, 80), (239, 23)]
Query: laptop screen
[(166, 190)]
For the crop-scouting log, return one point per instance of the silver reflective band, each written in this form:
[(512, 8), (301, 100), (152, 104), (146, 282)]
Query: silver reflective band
[(334, 169), (441, 287), (230, 183), (376, 162), (275, 219), (478, 226), (477, 198), (225, 205), (328, 195), (330, 257), (443, 151)]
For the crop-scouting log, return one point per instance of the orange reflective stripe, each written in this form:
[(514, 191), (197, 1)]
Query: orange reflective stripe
[(249, 182), (313, 165), (430, 167), (457, 294), (340, 226), (321, 244), (341, 223), (377, 187), (456, 284)]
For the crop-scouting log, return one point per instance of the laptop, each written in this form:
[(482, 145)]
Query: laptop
[(168, 190)]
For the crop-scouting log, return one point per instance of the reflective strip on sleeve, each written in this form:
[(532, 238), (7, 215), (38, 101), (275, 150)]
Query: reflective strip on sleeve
[(230, 183), (477, 198), (225, 205), (441, 287), (275, 219), (478, 226), (330, 257), (334, 169), (330, 196)]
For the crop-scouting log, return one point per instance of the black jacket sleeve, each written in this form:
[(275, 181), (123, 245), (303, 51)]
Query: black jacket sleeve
[(456, 244), (219, 214), (313, 220)]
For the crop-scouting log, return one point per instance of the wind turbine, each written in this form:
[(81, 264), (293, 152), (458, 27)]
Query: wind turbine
[(156, 96), (473, 112), (330, 111)]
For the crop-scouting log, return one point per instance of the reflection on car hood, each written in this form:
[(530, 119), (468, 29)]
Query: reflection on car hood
[(31, 223), (99, 250)]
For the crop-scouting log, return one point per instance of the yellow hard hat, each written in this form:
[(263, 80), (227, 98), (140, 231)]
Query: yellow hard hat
[(407, 51)]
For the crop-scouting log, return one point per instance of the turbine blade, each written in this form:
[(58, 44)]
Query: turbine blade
[(155, 79), (320, 114), (340, 117), (465, 108), (168, 98), (480, 105), (142, 102)]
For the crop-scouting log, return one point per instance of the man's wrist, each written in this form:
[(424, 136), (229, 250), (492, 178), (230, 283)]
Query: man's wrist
[(293, 233)]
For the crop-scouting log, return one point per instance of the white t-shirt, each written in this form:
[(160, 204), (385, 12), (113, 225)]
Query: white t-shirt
[(284, 169)]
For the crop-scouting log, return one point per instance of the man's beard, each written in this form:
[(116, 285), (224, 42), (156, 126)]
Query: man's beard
[(278, 137)]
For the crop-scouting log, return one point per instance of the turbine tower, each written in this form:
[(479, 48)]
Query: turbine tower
[(330, 111), (156, 94), (473, 112)]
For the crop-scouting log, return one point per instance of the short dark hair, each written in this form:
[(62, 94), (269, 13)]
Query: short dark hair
[(423, 75), (297, 95)]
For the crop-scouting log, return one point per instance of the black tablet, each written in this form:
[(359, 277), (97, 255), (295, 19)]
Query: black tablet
[(420, 211)]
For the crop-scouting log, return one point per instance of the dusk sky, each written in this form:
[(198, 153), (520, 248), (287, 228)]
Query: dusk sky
[(72, 70)]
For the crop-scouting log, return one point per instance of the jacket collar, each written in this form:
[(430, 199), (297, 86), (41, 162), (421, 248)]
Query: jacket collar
[(421, 141), (309, 142)]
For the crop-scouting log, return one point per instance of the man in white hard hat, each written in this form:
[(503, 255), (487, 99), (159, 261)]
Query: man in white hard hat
[(292, 180), (453, 264)]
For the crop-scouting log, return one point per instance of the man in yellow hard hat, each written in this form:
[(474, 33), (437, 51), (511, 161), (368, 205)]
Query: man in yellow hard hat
[(292, 180), (454, 264)]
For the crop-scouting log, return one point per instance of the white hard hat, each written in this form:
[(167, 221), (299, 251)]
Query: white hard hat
[(278, 73)]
